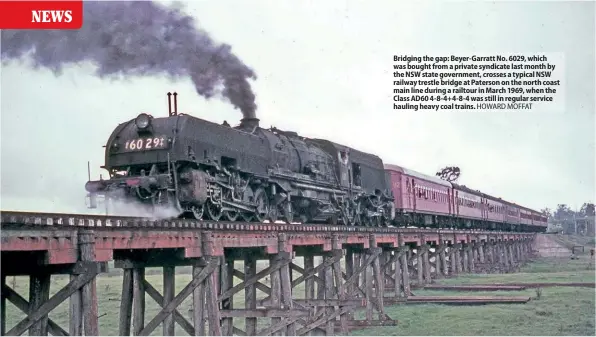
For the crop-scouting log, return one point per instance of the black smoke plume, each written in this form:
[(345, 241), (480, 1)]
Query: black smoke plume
[(139, 38)]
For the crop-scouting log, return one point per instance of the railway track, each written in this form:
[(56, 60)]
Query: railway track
[(17, 219)]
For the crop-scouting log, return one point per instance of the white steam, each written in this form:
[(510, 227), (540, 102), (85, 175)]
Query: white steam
[(117, 207)]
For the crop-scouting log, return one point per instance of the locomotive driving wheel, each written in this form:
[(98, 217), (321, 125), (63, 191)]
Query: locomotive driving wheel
[(284, 210), (230, 215), (197, 212), (246, 217), (262, 203), (213, 211)]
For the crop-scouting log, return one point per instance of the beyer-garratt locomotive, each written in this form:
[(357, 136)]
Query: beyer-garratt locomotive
[(244, 173)]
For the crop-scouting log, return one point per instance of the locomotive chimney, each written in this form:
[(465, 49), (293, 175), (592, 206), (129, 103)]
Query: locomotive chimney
[(249, 123), (173, 112)]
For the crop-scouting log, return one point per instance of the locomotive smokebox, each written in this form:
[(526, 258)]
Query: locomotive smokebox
[(249, 124)]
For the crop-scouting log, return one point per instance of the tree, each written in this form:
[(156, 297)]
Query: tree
[(547, 212), (587, 209), (449, 173), (563, 212)]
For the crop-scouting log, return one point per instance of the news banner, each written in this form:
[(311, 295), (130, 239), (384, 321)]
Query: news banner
[(488, 82), (41, 14)]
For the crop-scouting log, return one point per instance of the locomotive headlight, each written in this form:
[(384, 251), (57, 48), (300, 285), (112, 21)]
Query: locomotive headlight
[(143, 121)]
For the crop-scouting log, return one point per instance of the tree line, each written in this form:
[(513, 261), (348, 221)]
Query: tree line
[(564, 212)]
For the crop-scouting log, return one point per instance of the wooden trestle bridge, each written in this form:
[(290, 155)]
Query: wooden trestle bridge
[(360, 269)]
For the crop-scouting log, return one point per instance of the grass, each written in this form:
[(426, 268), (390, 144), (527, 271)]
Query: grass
[(558, 311), (577, 241)]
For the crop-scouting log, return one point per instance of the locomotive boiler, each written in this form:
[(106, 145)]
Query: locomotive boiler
[(243, 173)]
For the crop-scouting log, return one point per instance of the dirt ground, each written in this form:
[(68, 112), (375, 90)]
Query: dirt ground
[(547, 246)]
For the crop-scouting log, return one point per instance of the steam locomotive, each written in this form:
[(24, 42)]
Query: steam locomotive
[(212, 171), (246, 173)]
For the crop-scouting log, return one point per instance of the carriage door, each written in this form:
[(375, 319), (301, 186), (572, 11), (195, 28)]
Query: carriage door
[(409, 193), (344, 170), (412, 197), (449, 199), (456, 201)]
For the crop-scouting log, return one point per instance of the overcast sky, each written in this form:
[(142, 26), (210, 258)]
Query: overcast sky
[(323, 70)]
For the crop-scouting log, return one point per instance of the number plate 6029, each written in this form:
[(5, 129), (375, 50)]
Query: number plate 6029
[(148, 143)]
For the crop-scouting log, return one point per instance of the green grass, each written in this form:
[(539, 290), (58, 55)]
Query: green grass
[(559, 310)]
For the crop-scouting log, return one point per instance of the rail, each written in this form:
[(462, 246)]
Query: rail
[(108, 221)]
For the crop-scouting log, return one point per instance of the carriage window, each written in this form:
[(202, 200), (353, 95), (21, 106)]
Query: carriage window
[(357, 174)]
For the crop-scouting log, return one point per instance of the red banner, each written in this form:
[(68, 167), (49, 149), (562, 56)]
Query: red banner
[(41, 14)]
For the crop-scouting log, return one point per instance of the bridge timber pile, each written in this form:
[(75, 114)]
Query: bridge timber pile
[(380, 267)]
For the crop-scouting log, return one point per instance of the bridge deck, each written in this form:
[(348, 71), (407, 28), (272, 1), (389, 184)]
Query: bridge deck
[(358, 267), (57, 234)]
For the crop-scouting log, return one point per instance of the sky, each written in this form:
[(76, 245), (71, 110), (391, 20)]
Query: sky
[(324, 70)]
